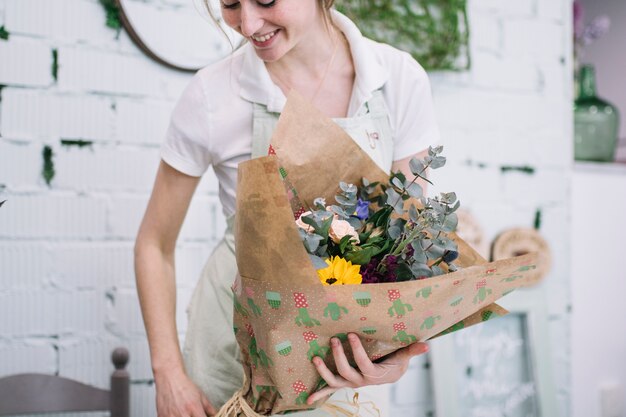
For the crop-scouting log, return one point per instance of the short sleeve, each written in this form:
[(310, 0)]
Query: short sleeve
[(415, 119), (186, 144)]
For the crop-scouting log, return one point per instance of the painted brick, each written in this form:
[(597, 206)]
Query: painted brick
[(27, 356), (105, 168), (19, 271), (67, 20), (25, 62), (404, 392), (92, 265), (125, 317), (143, 403), (487, 34), (139, 364), (492, 72), (34, 114), (20, 166), (93, 70), (51, 313), (141, 121), (86, 360), (522, 8), (522, 37), (125, 215), (53, 216), (556, 11)]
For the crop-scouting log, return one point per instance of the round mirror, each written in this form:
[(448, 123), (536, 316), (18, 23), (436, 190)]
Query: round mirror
[(179, 34)]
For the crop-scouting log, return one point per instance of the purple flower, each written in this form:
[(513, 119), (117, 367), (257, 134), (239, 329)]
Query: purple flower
[(362, 209), (371, 276)]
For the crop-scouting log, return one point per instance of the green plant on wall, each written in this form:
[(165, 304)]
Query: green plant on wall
[(435, 32)]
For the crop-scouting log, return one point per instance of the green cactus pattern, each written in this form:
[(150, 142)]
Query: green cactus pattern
[(511, 278), (267, 389), (526, 268), (457, 326), (482, 291), (239, 308), (424, 292), (341, 336), (314, 348), (401, 334), (334, 310), (300, 389), (255, 308), (429, 322), (303, 317), (257, 355), (398, 308), (273, 299)]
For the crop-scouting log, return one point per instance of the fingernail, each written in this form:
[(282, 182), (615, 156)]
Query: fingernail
[(334, 341)]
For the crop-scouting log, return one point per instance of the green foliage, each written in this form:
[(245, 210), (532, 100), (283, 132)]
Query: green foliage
[(113, 14), (4, 34), (435, 32), (48, 165), (55, 64), (80, 143), (537, 222), (524, 169)]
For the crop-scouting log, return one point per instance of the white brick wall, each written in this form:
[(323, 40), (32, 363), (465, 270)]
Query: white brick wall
[(67, 281)]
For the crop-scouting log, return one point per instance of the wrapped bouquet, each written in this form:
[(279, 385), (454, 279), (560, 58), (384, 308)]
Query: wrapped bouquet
[(417, 279)]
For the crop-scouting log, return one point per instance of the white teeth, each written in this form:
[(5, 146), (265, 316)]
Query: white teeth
[(264, 38)]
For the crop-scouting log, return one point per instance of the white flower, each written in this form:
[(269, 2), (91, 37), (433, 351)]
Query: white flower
[(341, 228), (302, 225)]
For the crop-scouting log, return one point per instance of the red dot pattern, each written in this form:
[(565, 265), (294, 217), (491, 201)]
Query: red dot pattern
[(481, 283), (300, 300), (393, 294), (399, 327), (309, 336), (299, 387), (250, 329)]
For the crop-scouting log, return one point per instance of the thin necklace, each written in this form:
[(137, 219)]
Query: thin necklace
[(328, 66)]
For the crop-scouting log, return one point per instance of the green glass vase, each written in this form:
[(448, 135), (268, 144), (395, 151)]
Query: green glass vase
[(596, 122)]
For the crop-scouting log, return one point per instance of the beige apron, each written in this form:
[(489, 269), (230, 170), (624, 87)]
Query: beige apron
[(210, 352)]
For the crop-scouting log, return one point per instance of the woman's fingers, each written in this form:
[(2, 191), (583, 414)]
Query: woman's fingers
[(320, 394), (208, 407), (330, 378), (343, 366), (360, 355)]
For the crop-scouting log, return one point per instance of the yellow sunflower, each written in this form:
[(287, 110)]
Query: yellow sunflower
[(339, 272)]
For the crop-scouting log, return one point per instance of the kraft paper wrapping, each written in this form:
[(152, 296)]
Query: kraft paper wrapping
[(284, 316)]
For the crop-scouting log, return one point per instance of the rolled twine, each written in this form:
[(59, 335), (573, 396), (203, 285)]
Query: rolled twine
[(237, 406)]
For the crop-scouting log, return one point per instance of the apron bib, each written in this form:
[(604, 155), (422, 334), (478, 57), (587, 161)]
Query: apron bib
[(210, 352)]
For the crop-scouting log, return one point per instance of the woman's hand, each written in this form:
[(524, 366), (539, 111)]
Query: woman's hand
[(178, 396), (368, 372)]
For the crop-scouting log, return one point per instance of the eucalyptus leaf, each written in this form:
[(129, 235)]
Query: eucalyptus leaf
[(413, 214), (318, 263), (414, 190), (396, 181), (416, 166), (438, 162), (421, 270), (437, 271), (394, 232)]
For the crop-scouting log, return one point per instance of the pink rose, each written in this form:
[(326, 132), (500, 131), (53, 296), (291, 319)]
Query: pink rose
[(341, 228)]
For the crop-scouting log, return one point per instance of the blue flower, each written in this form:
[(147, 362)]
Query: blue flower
[(362, 209)]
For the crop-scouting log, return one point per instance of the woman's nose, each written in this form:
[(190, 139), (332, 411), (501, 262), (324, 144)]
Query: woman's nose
[(251, 19)]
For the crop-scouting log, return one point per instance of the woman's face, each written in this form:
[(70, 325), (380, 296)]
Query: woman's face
[(274, 27)]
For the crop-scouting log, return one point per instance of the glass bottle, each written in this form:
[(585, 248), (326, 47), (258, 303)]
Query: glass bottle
[(595, 122)]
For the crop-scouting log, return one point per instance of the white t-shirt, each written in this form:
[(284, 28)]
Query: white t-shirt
[(212, 121)]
